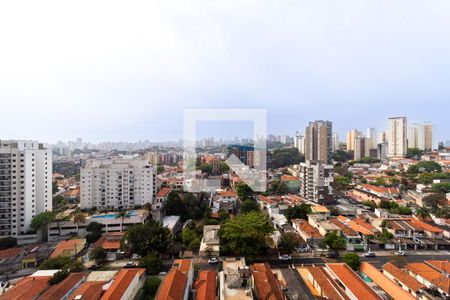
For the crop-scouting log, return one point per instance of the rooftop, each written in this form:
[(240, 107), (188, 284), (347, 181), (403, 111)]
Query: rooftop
[(205, 285), (58, 291), (403, 277), (66, 248), (267, 286), (121, 283)]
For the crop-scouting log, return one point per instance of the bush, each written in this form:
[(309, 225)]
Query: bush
[(98, 254), (352, 260), (58, 277), (151, 285)]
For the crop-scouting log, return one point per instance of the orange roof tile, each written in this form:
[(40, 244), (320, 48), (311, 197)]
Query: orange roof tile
[(91, 290), (430, 274), (403, 277), (205, 285), (266, 285), (352, 281), (427, 227), (174, 284), (65, 246), (27, 289), (58, 291), (121, 283), (328, 286), (307, 228), (11, 252), (289, 178), (390, 287), (163, 192), (441, 265), (228, 194)]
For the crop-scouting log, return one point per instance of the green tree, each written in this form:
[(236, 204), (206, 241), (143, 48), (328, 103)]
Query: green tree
[(341, 182), (54, 188), (285, 157), (188, 235), (160, 169), (98, 254), (147, 238), (298, 212), (58, 277), (249, 205), (414, 152), (422, 212), (371, 204), (151, 263), (443, 187), (7, 242), (334, 241), (246, 234), (244, 191), (385, 235), (61, 262), (95, 232), (79, 218), (151, 286), (434, 200), (288, 242), (279, 187), (175, 206), (352, 260), (59, 200), (425, 166), (41, 221), (342, 156)]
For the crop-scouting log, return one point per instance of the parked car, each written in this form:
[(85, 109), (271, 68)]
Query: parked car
[(213, 261), (332, 255), (400, 253), (162, 273), (131, 264), (369, 254), (284, 257), (94, 267), (135, 256)]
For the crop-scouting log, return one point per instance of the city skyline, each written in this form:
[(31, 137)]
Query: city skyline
[(353, 64)]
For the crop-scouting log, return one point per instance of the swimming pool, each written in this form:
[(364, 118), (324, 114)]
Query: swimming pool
[(113, 215)]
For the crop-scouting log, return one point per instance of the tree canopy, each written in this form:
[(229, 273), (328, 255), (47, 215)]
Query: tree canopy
[(244, 191), (443, 187), (285, 157), (434, 200), (288, 242), (8, 242), (41, 220), (334, 241), (147, 238), (151, 263), (98, 254), (246, 234), (352, 260), (298, 212), (425, 166)]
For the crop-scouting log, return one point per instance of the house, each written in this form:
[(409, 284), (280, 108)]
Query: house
[(353, 285), (89, 290), (234, 280), (68, 248), (321, 210), (292, 183), (159, 204), (28, 288), (65, 288), (205, 287), (352, 238), (11, 259), (403, 279), (390, 287), (265, 284), (177, 283), (173, 223), (322, 283), (310, 234), (429, 276), (226, 200), (210, 244), (125, 284)]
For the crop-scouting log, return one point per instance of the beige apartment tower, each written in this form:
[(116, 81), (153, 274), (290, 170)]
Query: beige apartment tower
[(318, 141), (397, 137)]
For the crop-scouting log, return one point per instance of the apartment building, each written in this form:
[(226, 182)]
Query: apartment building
[(397, 137), (316, 181), (318, 141), (25, 185), (117, 184), (362, 148), (351, 136), (421, 136)]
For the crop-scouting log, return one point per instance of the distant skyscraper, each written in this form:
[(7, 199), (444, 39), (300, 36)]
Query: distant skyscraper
[(335, 142), (372, 136), (383, 137), (362, 148), (318, 140), (421, 136), (299, 143), (25, 185), (351, 136), (397, 137), (382, 151)]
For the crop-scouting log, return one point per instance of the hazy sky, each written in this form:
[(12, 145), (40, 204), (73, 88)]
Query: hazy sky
[(107, 70)]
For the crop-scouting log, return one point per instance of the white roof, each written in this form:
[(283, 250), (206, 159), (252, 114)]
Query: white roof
[(45, 273)]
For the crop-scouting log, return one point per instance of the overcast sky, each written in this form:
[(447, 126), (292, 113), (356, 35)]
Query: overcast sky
[(107, 70)]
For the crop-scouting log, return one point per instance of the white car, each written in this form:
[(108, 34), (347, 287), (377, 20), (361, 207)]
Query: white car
[(213, 261), (400, 253), (284, 257), (369, 254)]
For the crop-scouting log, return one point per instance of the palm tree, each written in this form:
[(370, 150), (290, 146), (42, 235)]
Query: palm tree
[(79, 218), (121, 215)]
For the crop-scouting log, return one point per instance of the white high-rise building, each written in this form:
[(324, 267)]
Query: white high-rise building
[(351, 136), (372, 136), (362, 148), (383, 137), (117, 184), (299, 142), (25, 185), (335, 142), (316, 182), (421, 136), (397, 137)]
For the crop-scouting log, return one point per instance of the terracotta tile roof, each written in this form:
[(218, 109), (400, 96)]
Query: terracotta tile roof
[(405, 224), (227, 194), (441, 265), (174, 284), (26, 289), (163, 192), (121, 283), (307, 228), (58, 291), (69, 245), (352, 281), (403, 277), (205, 285), (349, 232), (363, 227), (390, 287), (91, 290), (430, 274), (380, 190), (110, 241), (427, 227), (266, 285), (11, 252), (289, 178), (329, 287)]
